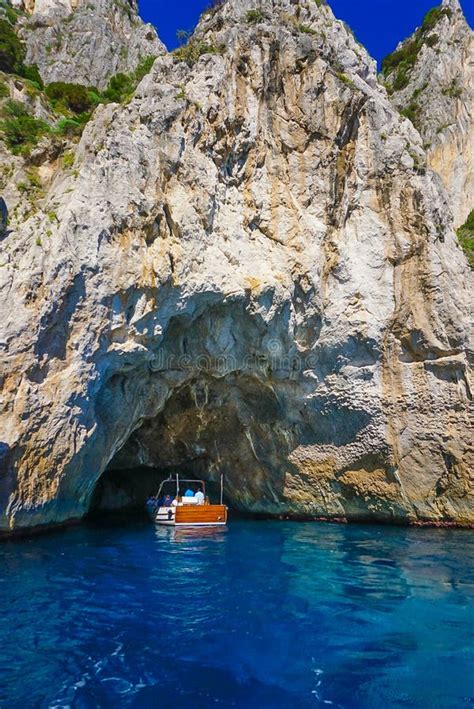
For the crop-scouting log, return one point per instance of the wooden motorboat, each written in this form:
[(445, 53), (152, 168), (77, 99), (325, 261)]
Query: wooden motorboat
[(184, 503)]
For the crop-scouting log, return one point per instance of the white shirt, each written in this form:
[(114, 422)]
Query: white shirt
[(199, 497)]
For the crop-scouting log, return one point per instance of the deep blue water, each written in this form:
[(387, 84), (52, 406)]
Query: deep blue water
[(264, 614)]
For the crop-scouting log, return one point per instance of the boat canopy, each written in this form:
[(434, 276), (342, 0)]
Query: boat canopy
[(177, 481)]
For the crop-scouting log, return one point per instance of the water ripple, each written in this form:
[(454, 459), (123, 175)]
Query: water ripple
[(263, 614)]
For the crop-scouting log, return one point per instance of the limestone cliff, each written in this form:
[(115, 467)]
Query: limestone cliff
[(431, 80), (248, 268), (87, 42)]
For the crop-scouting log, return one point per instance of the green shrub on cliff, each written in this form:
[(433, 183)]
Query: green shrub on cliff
[(72, 97), (254, 16), (70, 127), (31, 72), (12, 54), (191, 52), (20, 129), (144, 68), (74, 102), (8, 12), (412, 112), (121, 86), (402, 60), (306, 29), (32, 186), (433, 16), (453, 90), (344, 78), (432, 40), (466, 238), (12, 51)]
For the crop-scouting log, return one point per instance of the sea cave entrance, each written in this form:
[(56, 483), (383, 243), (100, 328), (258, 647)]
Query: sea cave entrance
[(221, 396), (209, 427), (127, 490)]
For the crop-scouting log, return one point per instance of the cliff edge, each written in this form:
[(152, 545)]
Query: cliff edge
[(430, 78)]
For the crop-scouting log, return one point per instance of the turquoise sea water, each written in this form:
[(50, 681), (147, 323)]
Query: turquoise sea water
[(263, 614)]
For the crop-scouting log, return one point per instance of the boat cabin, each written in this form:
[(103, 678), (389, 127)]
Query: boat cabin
[(185, 503)]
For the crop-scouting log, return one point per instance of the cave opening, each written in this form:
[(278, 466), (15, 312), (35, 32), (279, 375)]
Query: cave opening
[(215, 399), (124, 491), (209, 427)]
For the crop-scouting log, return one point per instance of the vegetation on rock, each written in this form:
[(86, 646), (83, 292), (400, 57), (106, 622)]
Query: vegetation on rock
[(466, 238), (12, 54), (254, 16), (11, 49), (8, 12), (453, 90), (412, 112), (344, 78), (257, 210), (402, 60), (122, 86), (72, 97), (20, 129), (433, 16), (73, 105), (194, 49), (71, 127), (306, 29)]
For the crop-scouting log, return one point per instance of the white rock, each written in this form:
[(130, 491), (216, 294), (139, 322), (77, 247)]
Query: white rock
[(253, 272)]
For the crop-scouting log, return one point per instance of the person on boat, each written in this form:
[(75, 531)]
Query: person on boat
[(199, 497), (189, 493), (167, 501)]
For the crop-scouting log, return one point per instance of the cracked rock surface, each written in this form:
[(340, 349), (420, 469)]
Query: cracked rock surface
[(251, 270), (440, 97), (87, 42)]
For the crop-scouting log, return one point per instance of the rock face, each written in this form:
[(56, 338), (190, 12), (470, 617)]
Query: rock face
[(87, 42), (437, 92), (250, 270)]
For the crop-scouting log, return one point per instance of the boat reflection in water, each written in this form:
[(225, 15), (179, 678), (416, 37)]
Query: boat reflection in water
[(181, 535)]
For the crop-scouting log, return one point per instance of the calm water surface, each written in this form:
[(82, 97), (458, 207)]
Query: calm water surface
[(265, 614)]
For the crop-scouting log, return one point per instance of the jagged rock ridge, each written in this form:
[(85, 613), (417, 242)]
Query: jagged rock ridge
[(250, 271), (431, 76), (87, 42)]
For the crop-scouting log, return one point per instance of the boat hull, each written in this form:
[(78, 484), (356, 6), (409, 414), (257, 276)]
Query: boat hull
[(191, 516), (201, 515)]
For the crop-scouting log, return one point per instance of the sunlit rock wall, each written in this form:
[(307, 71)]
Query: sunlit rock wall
[(251, 271)]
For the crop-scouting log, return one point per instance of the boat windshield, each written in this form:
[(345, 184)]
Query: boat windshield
[(177, 487)]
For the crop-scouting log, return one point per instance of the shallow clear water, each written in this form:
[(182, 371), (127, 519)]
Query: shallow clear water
[(263, 614)]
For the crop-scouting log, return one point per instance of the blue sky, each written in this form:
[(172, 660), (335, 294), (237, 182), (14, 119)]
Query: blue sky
[(378, 24)]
